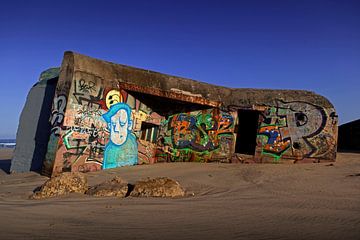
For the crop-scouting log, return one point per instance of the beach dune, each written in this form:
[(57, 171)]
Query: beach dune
[(224, 201)]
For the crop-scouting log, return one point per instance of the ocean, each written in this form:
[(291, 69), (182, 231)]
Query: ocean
[(7, 143)]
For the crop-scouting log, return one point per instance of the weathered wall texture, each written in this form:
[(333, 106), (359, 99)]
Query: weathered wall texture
[(33, 131), (106, 115)]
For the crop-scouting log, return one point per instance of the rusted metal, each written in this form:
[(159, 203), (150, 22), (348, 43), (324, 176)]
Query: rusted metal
[(168, 94)]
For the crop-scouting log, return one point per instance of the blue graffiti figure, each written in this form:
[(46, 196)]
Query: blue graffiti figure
[(122, 149)]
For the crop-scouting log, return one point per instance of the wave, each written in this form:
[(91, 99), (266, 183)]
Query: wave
[(7, 143)]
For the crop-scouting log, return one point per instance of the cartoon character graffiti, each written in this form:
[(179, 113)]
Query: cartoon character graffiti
[(113, 97), (121, 149)]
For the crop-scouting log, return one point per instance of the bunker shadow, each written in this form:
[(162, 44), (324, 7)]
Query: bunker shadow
[(5, 165)]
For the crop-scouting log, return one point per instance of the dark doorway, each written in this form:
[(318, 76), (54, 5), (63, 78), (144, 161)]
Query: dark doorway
[(246, 132)]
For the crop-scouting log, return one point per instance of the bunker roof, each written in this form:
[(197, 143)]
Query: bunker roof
[(183, 89)]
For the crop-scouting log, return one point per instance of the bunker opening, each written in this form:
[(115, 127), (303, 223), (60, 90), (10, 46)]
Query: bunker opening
[(247, 131), (167, 106)]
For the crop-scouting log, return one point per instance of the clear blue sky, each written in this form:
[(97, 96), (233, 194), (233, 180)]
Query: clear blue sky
[(293, 44)]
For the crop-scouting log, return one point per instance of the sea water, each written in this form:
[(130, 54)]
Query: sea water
[(7, 143)]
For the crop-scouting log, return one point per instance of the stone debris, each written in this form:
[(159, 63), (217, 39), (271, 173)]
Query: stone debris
[(115, 187), (67, 182), (62, 184), (157, 187)]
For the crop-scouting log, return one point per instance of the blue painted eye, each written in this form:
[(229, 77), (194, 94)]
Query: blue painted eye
[(122, 123)]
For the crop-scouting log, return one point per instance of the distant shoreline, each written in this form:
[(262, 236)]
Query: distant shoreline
[(7, 143)]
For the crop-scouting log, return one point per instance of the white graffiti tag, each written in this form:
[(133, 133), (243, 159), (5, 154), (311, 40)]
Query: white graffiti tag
[(57, 114)]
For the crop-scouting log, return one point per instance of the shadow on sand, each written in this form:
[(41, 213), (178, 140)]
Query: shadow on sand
[(5, 165)]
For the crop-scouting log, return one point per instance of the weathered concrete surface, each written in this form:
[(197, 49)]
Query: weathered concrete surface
[(158, 187), (49, 74), (34, 128), (116, 187), (57, 112), (62, 184), (153, 81)]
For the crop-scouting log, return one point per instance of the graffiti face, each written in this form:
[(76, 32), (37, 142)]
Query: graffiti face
[(112, 97), (121, 150), (120, 125)]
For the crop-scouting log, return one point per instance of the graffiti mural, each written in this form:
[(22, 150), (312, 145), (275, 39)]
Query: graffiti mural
[(103, 128), (96, 125), (198, 135), (293, 129), (276, 144), (121, 150)]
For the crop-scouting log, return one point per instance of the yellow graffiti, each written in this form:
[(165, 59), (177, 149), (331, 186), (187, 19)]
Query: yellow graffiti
[(113, 97), (138, 118)]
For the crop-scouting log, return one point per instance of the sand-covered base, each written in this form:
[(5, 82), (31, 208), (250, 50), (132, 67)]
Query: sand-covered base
[(231, 201)]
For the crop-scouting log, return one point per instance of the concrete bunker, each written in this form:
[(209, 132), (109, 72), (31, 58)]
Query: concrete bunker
[(108, 115)]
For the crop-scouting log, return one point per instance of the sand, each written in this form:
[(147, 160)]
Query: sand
[(229, 201)]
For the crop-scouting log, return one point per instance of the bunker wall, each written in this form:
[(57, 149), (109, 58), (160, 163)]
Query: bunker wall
[(99, 121)]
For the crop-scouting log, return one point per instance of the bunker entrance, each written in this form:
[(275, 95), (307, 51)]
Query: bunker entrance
[(247, 131), (166, 106)]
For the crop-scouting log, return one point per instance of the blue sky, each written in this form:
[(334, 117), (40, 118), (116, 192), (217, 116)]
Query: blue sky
[(294, 44)]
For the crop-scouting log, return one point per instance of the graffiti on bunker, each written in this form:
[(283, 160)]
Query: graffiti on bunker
[(102, 128), (96, 125), (112, 97), (88, 91), (197, 136), (121, 150), (295, 129), (57, 114)]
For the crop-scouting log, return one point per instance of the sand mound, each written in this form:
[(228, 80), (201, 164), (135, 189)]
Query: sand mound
[(158, 187), (62, 184), (115, 187)]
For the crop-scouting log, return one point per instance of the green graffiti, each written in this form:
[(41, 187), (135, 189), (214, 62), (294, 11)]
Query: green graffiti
[(198, 135), (79, 148)]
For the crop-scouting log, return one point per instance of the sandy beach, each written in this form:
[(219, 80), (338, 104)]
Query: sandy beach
[(226, 201)]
